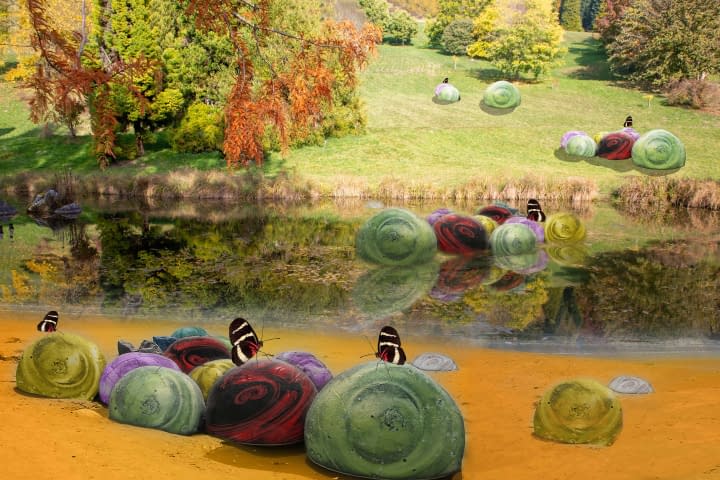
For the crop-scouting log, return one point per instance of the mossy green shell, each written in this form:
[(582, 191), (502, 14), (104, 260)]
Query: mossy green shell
[(579, 411), (380, 420), (396, 236), (581, 146), (512, 239), (61, 365), (158, 397), (206, 375), (658, 150), (501, 94), (564, 227)]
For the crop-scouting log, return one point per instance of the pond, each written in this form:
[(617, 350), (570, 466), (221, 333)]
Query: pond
[(642, 281)]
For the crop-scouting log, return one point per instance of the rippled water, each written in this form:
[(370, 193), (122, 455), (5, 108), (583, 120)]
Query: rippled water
[(641, 282)]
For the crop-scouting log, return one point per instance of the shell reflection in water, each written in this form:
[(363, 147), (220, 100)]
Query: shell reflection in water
[(630, 385), (579, 411), (157, 397), (60, 365), (381, 420)]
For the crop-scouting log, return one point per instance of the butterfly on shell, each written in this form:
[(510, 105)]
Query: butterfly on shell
[(49, 322), (245, 342), (388, 347), (628, 122), (534, 211)]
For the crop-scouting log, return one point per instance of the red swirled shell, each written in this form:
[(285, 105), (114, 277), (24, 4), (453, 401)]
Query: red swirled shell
[(460, 234), (616, 146), (189, 352)]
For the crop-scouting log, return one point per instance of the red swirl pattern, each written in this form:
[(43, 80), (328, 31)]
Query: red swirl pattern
[(499, 214), (460, 234), (616, 146), (263, 402), (189, 352), (459, 274)]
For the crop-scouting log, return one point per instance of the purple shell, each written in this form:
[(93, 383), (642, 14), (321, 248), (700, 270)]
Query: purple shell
[(632, 132), (440, 87), (536, 227), (126, 363), (309, 364), (435, 216), (568, 135)]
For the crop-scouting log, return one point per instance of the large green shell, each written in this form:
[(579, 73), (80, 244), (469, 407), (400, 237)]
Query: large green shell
[(658, 150), (386, 290), (158, 397), (581, 146), (564, 227), (380, 420), (501, 94), (61, 365), (512, 239), (396, 236), (206, 375), (579, 411)]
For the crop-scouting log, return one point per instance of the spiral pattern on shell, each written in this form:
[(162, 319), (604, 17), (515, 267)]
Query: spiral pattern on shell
[(512, 239), (189, 352), (497, 213), (581, 146), (396, 236), (263, 402), (460, 234), (446, 93), (385, 421), (616, 146), (60, 365), (658, 150), (157, 397), (536, 227), (564, 227), (124, 364), (630, 385), (501, 94), (570, 255), (386, 290), (578, 411)]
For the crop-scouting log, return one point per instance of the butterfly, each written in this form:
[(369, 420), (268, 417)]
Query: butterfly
[(445, 80), (245, 342), (628, 122), (388, 348), (534, 212), (49, 322)]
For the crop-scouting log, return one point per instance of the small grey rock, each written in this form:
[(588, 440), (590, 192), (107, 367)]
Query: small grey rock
[(630, 384), (434, 362)]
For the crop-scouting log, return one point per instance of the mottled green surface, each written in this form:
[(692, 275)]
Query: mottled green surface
[(61, 365), (512, 239), (518, 262), (658, 150), (502, 94), (581, 146), (579, 411), (564, 227), (206, 375), (396, 236), (380, 420), (448, 94), (158, 397)]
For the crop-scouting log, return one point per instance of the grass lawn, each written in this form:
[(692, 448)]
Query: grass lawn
[(413, 140)]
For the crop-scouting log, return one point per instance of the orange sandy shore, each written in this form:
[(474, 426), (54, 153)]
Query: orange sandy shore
[(673, 433)]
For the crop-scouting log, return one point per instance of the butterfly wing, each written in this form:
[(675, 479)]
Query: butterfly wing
[(49, 322), (628, 121), (388, 349), (244, 340), (534, 211)]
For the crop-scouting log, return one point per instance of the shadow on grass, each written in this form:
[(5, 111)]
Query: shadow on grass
[(5, 131), (591, 60), (495, 111), (619, 166), (440, 101)]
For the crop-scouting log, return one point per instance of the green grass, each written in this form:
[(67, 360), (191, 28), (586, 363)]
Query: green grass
[(409, 138)]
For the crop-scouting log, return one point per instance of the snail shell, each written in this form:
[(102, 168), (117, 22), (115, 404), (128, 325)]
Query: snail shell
[(658, 150), (436, 362), (501, 94), (564, 227), (513, 239), (631, 385), (124, 364), (206, 375), (189, 352), (396, 236)]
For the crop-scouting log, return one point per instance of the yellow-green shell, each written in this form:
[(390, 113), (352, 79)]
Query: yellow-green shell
[(564, 227), (61, 365), (579, 411), (206, 375)]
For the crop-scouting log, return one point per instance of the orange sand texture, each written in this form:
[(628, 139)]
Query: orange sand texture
[(673, 433)]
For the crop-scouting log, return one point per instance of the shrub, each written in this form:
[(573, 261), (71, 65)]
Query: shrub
[(694, 93), (200, 130), (457, 36)]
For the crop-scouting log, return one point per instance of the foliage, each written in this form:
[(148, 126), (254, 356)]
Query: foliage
[(531, 44), (589, 10), (418, 8), (607, 22), (377, 11), (484, 30), (665, 40), (451, 10), (694, 93), (457, 36), (510, 309), (200, 130), (400, 27), (570, 15)]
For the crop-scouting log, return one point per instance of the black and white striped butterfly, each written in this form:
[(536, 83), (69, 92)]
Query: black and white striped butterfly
[(246, 343), (534, 212), (628, 122), (49, 322), (388, 347)]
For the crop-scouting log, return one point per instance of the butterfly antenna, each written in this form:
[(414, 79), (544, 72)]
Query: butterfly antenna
[(371, 346)]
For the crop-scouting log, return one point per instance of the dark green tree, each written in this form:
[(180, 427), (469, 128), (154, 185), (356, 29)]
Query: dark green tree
[(661, 41), (589, 10), (457, 36), (451, 10), (570, 18)]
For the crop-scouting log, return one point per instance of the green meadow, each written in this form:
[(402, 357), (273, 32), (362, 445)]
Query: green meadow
[(412, 141)]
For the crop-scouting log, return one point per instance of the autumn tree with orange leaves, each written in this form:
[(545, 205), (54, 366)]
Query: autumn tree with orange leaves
[(289, 72)]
